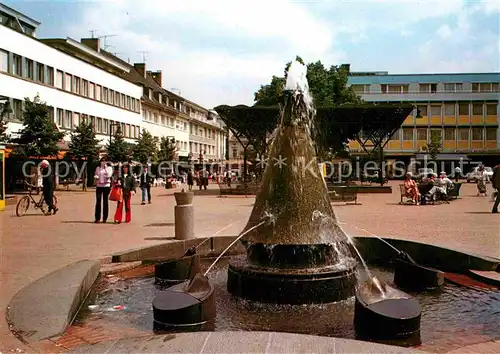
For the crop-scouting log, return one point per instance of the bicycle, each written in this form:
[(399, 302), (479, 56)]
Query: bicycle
[(24, 203)]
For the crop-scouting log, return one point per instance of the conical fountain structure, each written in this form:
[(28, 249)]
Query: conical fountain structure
[(301, 255)]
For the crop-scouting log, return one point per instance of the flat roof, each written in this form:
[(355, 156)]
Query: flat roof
[(357, 79), (19, 15)]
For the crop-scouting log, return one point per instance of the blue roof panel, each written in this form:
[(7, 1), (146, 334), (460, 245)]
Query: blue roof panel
[(423, 78)]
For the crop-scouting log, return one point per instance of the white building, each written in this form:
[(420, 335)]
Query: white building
[(78, 84)]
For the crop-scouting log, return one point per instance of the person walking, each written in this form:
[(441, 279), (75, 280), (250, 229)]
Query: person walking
[(481, 180), (458, 173), (146, 182), (48, 187), (102, 177), (190, 180), (495, 181), (127, 183), (204, 179)]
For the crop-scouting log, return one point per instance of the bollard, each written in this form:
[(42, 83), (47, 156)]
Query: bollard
[(184, 215)]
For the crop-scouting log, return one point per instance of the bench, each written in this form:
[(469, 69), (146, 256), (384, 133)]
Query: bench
[(345, 194), (250, 188), (404, 196)]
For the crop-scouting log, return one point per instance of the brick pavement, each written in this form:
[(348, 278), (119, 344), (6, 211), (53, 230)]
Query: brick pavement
[(35, 245)]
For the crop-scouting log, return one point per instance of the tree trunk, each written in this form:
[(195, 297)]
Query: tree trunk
[(245, 157)]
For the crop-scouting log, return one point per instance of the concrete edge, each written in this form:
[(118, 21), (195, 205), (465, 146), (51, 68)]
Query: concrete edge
[(44, 308), (426, 254), (241, 342), (484, 278)]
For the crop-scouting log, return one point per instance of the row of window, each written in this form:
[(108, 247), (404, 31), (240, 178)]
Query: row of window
[(428, 88), (163, 120), (38, 72), (463, 109), (178, 106), (69, 120), (207, 149), (460, 134)]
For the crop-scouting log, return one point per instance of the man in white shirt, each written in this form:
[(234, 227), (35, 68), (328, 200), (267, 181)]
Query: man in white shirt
[(441, 184)]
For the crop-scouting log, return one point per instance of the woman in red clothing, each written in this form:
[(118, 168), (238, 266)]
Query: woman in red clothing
[(127, 183)]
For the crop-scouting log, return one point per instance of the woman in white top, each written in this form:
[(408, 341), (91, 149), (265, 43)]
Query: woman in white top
[(102, 176)]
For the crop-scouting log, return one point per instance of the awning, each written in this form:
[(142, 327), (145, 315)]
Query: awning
[(443, 157)]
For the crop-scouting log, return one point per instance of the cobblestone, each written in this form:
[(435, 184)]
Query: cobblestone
[(35, 245)]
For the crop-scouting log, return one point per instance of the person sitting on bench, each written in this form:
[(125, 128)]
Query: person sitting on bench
[(441, 185), (411, 189)]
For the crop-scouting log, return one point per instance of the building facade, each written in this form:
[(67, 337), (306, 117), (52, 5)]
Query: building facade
[(72, 88), (460, 109)]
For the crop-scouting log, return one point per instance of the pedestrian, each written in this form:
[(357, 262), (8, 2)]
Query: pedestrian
[(458, 173), (102, 176), (190, 180), (204, 179), (127, 183), (146, 182), (48, 187), (481, 180), (495, 181)]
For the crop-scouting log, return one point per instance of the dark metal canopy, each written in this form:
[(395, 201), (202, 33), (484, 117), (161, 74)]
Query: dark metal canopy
[(371, 124)]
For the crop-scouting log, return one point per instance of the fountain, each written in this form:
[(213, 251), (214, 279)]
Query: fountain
[(302, 256)]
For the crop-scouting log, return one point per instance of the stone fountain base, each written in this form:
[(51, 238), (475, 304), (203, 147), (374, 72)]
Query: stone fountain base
[(290, 286)]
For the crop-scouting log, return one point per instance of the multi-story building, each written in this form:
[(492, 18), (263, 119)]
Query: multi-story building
[(461, 109), (75, 82)]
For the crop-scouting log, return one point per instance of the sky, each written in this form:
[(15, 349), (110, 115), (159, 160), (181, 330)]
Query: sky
[(220, 51)]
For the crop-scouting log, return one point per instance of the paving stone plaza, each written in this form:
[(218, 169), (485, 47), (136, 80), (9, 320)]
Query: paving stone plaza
[(35, 245)]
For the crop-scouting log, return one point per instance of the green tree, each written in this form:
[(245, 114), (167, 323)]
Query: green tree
[(39, 135), (118, 149), (83, 146), (327, 86), (167, 150), (146, 149), (434, 144), (3, 130)]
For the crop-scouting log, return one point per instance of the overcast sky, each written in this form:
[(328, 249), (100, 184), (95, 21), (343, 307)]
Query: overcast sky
[(221, 51)]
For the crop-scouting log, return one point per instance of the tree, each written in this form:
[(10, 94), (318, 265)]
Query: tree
[(146, 149), (84, 146), (434, 145), (3, 130), (327, 86), (118, 149), (39, 135), (167, 150)]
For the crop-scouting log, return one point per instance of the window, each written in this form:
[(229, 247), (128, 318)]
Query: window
[(67, 82), (463, 109), (4, 61), (408, 134), (475, 87), (127, 129), (463, 134), (17, 65), (127, 104), (397, 88), (104, 94), (40, 72), (111, 97), (449, 134), (122, 100), (105, 126), (59, 79), (436, 134), (17, 109), (76, 119), (477, 109), (28, 73), (93, 122), (423, 110), (459, 87), (67, 121), (477, 134), (494, 87), (235, 153), (361, 88), (485, 87), (449, 109), (117, 98), (424, 88), (76, 85), (50, 76), (491, 109), (132, 102), (85, 88), (422, 134), (491, 134), (60, 117), (433, 88), (449, 87), (435, 111), (396, 135), (98, 92), (91, 90)]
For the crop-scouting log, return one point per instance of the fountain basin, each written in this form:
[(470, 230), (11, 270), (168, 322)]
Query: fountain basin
[(396, 316), (290, 286), (178, 270), (415, 277), (187, 304)]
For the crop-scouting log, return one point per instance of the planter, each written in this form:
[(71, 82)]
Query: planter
[(184, 198)]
